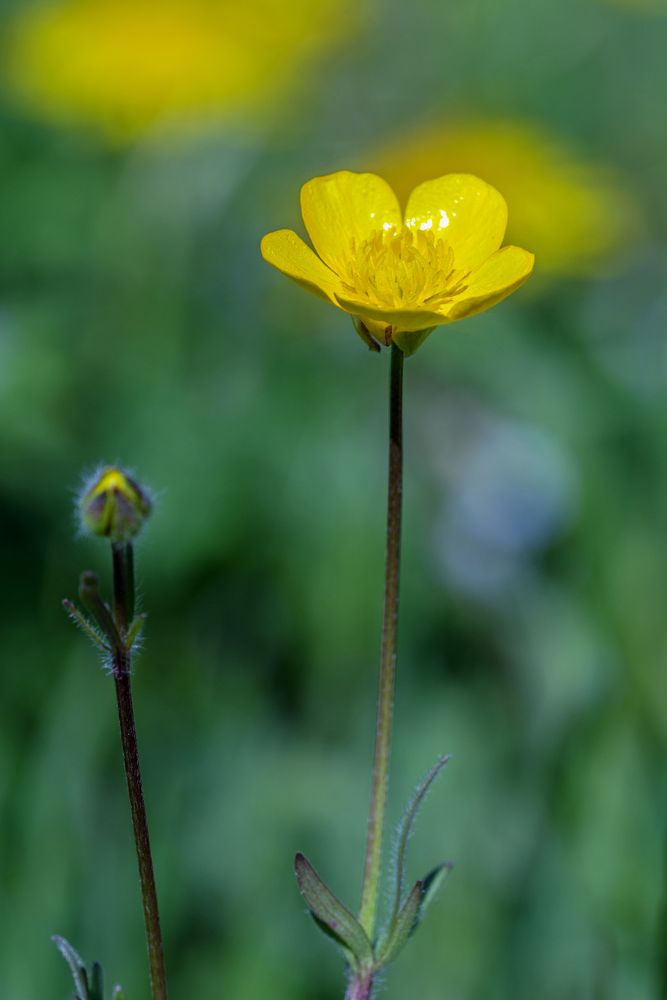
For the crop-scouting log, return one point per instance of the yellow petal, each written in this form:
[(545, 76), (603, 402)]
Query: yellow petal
[(399, 319), (497, 277), (287, 251), (469, 213), (344, 206)]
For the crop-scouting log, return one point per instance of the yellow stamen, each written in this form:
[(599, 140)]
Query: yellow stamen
[(403, 269)]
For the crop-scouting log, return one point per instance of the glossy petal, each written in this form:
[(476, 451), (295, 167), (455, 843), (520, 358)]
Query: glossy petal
[(497, 277), (470, 214), (289, 254), (344, 206), (399, 319)]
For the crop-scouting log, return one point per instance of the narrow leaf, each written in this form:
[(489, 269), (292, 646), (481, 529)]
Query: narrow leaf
[(89, 592), (412, 911), (134, 631), (96, 982), (332, 916), (118, 993), (405, 923), (404, 836), (82, 622), (431, 885), (77, 967)]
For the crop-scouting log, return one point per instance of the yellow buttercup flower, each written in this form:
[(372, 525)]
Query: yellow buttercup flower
[(572, 213), (401, 277), (130, 65)]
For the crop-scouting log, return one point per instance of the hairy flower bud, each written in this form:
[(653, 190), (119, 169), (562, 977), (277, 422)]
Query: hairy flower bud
[(114, 505)]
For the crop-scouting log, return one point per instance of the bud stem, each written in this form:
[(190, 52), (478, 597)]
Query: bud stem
[(122, 559), (121, 597), (371, 884)]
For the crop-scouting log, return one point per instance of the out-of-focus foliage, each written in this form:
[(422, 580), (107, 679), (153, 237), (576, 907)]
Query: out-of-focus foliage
[(641, 6), (138, 324)]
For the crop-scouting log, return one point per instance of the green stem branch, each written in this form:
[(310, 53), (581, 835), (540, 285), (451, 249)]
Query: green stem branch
[(122, 572), (378, 802), (360, 987)]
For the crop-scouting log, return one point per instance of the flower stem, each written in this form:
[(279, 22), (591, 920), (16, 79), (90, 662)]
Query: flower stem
[(122, 557), (376, 815)]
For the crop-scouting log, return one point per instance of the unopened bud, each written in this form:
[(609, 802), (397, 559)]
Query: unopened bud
[(114, 505)]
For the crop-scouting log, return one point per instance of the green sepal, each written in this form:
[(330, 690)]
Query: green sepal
[(409, 341), (365, 334), (332, 916)]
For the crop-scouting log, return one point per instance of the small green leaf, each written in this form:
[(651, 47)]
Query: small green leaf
[(89, 592), (431, 885), (96, 982), (407, 910), (135, 629), (89, 630), (412, 911), (77, 967), (332, 916), (403, 926), (406, 829), (89, 984)]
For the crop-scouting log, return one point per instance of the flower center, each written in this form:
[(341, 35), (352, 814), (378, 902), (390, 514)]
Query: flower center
[(403, 269)]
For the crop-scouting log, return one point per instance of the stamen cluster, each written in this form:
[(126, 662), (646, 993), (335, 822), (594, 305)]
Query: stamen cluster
[(403, 268)]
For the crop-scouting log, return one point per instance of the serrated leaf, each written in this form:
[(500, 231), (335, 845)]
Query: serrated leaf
[(412, 911), (76, 964), (331, 915)]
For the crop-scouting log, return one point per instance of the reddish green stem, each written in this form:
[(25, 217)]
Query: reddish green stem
[(360, 987), (122, 574), (379, 787)]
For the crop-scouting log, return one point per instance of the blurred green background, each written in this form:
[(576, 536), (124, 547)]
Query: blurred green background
[(145, 150)]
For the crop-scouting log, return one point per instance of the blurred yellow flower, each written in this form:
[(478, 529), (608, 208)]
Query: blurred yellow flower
[(401, 277), (127, 65), (572, 215)]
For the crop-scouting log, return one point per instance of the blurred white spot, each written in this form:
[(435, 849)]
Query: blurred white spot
[(512, 493)]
